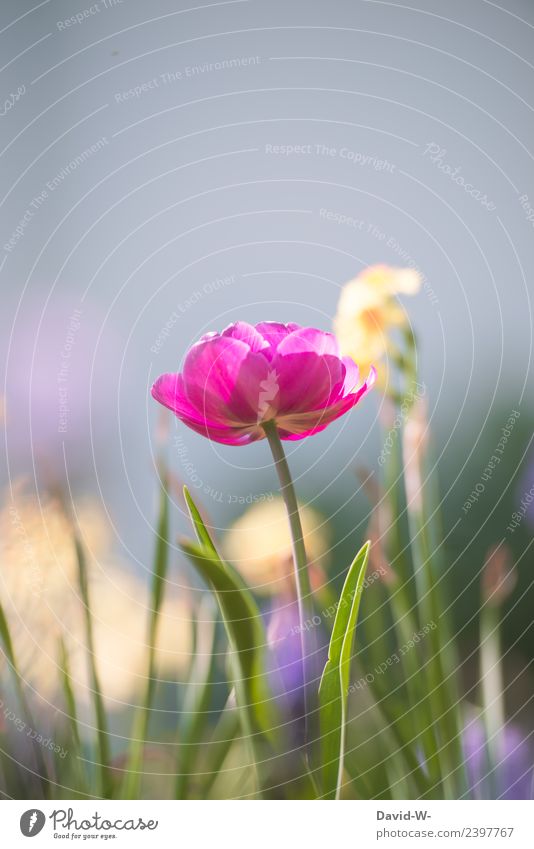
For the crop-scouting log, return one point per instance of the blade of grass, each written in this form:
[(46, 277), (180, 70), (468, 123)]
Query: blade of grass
[(132, 780), (241, 617), (244, 630), (197, 697), (246, 637), (223, 736), (106, 782), (72, 713), (201, 531), (5, 639), (68, 693), (334, 685)]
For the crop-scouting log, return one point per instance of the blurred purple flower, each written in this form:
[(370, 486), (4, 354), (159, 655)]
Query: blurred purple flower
[(58, 384), (286, 669), (285, 657), (512, 777)]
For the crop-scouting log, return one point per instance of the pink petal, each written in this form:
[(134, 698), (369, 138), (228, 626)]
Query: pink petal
[(226, 435), (308, 339), (299, 425), (307, 381), (169, 391), (273, 332), (246, 333), (222, 378), (352, 375)]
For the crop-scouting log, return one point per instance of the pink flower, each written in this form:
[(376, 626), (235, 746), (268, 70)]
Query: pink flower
[(234, 381)]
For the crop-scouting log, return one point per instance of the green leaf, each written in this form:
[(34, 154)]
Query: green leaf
[(68, 693), (244, 629), (6, 642), (241, 615), (134, 770), (223, 737), (98, 702), (197, 697), (201, 530), (334, 686), (72, 715), (5, 637)]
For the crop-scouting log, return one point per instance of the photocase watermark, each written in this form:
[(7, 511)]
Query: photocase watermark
[(32, 822), (64, 371), (519, 515), (89, 12), (188, 72), (195, 481), (23, 728), (331, 610), (355, 157), (393, 659), (185, 306), (50, 186), (11, 100), (65, 819), (415, 394), (492, 463), (436, 154)]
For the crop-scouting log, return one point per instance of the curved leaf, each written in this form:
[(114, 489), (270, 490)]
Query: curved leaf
[(334, 686), (243, 624)]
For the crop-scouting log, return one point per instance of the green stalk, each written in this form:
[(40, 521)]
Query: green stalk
[(5, 640), (98, 703), (72, 713), (223, 737), (441, 694), (400, 600), (197, 698), (302, 578), (132, 781), (300, 563)]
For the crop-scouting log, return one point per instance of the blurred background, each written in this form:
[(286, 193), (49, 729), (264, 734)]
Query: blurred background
[(169, 168)]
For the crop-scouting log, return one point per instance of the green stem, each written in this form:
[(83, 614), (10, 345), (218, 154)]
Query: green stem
[(300, 562), (6, 645), (102, 732), (134, 772)]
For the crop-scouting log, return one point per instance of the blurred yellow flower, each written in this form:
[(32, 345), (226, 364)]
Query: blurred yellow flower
[(259, 546), (39, 594), (368, 309), (120, 604)]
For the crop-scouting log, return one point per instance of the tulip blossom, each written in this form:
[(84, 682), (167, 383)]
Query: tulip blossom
[(235, 382), (368, 309)]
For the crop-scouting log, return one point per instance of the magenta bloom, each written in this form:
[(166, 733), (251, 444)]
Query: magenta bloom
[(234, 381)]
